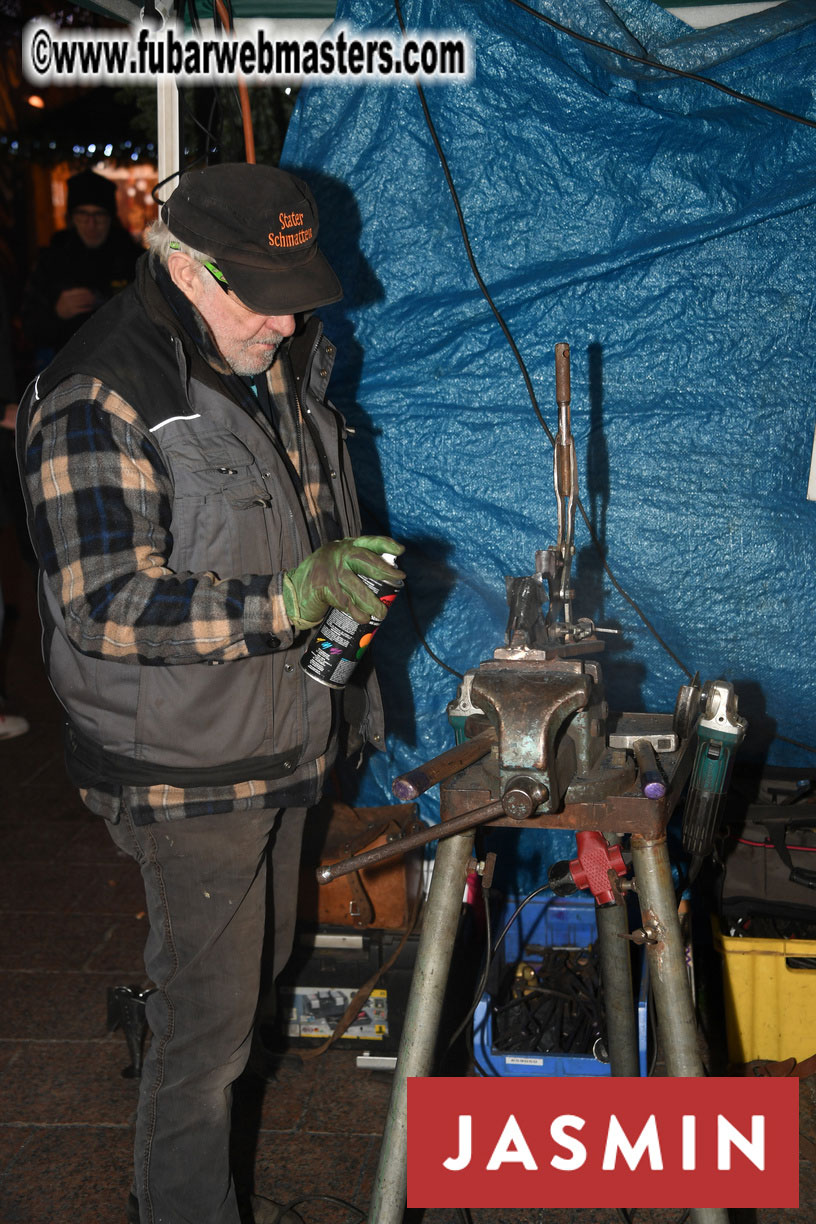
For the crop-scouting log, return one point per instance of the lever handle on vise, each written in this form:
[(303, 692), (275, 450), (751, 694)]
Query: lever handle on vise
[(414, 783), (565, 481), (562, 373), (370, 858)]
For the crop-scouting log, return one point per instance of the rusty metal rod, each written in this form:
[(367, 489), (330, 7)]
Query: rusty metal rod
[(414, 783), (368, 858), (562, 373)]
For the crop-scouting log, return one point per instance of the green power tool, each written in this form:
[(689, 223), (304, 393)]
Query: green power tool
[(720, 731)]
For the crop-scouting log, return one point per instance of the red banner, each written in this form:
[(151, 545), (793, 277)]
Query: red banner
[(594, 1142)]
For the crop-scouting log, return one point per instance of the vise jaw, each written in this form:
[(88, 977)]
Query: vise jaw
[(530, 707)]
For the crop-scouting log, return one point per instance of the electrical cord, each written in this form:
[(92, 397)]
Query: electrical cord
[(518, 357), (175, 174), (653, 63), (490, 953), (224, 11), (212, 136), (321, 1198), (179, 14), (632, 1212), (482, 986), (651, 1012), (508, 334), (477, 1066), (530, 897), (418, 631), (190, 7), (491, 950)]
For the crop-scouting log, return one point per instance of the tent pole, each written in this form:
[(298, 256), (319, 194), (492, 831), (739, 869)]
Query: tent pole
[(168, 136)]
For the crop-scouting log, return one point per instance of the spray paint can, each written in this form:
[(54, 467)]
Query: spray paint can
[(340, 641)]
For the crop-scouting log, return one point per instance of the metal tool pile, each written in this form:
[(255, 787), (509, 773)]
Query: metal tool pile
[(552, 1005)]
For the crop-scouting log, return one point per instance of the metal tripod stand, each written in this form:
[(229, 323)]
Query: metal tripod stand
[(662, 941), (537, 748)]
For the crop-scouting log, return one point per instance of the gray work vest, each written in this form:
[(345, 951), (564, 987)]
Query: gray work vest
[(235, 512)]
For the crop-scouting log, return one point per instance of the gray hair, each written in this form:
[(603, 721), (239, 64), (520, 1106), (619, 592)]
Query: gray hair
[(159, 239)]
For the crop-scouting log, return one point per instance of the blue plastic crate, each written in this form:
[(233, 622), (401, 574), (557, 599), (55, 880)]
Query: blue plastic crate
[(552, 922)]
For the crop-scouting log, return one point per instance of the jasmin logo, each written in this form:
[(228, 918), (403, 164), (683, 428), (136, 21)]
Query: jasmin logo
[(512, 1146), (646, 1142)]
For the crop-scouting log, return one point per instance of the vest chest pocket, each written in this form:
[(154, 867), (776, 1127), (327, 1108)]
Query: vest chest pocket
[(221, 507), (216, 464)]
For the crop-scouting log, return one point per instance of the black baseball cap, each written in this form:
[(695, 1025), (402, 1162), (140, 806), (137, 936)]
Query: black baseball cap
[(259, 225)]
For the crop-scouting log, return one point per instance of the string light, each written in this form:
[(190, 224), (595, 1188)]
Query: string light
[(65, 149)]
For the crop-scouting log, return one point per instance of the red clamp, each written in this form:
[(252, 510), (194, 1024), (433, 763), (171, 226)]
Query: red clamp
[(592, 866)]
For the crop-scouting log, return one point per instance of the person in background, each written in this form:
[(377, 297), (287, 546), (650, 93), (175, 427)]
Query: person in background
[(11, 725), (193, 510), (83, 266)]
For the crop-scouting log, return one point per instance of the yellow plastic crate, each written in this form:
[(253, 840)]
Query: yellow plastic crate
[(770, 1008)]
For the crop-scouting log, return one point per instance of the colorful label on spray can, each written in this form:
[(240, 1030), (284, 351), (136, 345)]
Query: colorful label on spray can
[(341, 641)]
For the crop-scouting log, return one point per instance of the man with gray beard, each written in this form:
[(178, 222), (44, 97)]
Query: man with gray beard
[(194, 515)]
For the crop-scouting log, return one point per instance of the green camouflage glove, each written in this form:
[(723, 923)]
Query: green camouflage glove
[(328, 578)]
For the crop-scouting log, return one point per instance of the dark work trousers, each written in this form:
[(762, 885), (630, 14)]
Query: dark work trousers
[(206, 887)]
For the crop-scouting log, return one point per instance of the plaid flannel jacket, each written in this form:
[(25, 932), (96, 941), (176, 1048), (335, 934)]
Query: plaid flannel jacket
[(102, 508)]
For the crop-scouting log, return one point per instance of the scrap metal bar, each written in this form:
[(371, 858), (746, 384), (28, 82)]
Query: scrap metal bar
[(414, 783), (394, 849)]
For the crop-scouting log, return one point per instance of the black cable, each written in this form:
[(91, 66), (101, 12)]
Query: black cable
[(382, 529), (605, 565), (651, 1014), (322, 1198), (629, 1215), (233, 89), (468, 249), (175, 174), (207, 128), (796, 743), (516, 353), (482, 985), (507, 333), (653, 63), (530, 896), (477, 1066), (194, 20), (188, 6), (464, 1215), (418, 631), (490, 953)]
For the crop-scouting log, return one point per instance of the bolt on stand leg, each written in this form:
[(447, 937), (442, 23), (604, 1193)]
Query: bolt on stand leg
[(440, 921), (668, 973), (616, 978)]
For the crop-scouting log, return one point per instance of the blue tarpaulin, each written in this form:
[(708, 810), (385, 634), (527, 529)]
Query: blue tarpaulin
[(662, 228)]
